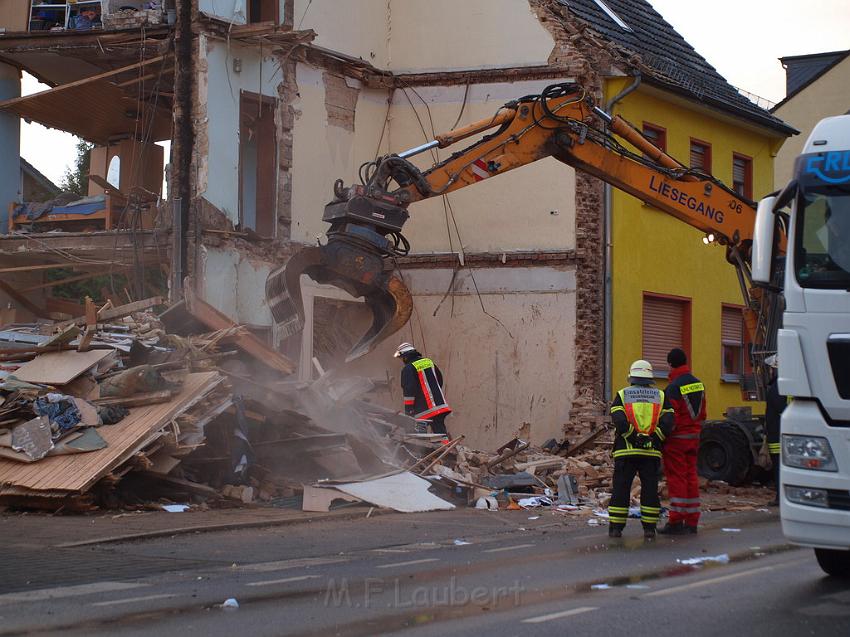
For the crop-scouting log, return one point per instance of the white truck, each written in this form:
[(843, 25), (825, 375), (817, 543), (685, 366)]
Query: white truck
[(814, 342)]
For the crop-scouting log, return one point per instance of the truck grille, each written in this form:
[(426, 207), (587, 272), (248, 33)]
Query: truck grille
[(838, 499), (839, 360)]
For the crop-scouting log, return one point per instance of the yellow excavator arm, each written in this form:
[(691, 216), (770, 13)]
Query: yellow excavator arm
[(562, 122)]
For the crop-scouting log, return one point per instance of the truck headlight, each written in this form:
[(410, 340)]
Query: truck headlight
[(808, 452), (809, 497)]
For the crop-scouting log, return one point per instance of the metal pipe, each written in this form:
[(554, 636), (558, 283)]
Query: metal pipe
[(418, 149), (608, 217)]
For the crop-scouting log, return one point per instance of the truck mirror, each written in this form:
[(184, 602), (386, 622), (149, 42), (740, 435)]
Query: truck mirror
[(786, 196), (762, 254)]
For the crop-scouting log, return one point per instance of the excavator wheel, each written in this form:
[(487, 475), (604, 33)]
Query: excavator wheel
[(724, 452)]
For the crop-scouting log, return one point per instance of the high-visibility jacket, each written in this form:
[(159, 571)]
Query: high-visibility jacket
[(687, 397), (643, 418), (422, 385)]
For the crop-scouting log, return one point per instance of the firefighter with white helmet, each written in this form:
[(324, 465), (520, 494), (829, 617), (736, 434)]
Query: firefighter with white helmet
[(642, 417), (422, 387)]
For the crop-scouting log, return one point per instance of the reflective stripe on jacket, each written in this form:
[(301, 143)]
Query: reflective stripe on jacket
[(421, 382), (641, 410)]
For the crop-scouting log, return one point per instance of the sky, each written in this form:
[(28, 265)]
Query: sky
[(742, 39)]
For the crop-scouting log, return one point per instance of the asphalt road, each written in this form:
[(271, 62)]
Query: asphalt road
[(456, 573)]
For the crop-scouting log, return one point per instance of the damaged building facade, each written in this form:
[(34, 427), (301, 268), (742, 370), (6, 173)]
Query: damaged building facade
[(267, 102)]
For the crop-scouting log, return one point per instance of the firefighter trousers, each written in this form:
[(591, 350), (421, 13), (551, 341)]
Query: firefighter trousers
[(680, 469), (625, 469)]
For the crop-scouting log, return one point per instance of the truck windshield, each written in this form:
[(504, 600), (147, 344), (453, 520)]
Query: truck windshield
[(823, 236)]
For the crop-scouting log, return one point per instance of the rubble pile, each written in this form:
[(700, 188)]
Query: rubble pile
[(126, 407)]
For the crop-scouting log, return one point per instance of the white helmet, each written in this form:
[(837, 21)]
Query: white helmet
[(772, 361), (402, 349), (641, 369)]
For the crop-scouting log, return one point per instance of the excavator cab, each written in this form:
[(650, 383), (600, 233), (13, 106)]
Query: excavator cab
[(364, 236)]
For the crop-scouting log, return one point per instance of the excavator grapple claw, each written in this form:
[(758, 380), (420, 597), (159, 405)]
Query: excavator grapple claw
[(350, 265)]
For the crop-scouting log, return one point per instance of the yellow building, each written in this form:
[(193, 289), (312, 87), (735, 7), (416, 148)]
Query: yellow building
[(670, 287)]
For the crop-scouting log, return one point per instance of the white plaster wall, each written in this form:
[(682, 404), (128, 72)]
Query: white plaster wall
[(358, 28), (219, 179), (510, 212), (235, 285), (497, 376), (447, 34), (234, 11), (322, 153), (825, 97)]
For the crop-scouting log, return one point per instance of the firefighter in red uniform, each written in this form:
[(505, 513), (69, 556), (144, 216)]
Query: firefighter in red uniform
[(422, 386), (687, 395), (643, 417)]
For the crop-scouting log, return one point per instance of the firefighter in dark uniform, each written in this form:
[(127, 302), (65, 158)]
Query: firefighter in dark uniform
[(687, 396), (774, 406), (643, 418), (422, 386)]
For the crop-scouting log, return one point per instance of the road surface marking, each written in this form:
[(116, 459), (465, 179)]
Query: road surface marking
[(410, 563), (508, 548), (130, 600), (708, 582), (66, 591), (263, 567), (285, 580), (563, 613)]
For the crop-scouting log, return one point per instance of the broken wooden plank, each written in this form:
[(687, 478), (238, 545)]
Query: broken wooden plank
[(59, 368), (247, 342), (129, 308), (139, 400), (62, 337), (584, 442)]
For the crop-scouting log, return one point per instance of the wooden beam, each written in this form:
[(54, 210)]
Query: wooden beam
[(24, 301), (248, 343), (129, 308)]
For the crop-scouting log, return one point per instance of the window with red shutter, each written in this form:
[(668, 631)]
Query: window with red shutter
[(666, 324), (731, 343), (700, 156), (655, 134), (742, 175)]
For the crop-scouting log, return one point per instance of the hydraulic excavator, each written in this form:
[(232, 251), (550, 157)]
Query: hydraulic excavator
[(563, 122)]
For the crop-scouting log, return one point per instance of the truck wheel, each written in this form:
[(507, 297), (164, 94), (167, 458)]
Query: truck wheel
[(724, 453), (835, 563)]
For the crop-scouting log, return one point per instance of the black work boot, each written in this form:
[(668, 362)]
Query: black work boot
[(615, 531), (676, 528), (648, 533)]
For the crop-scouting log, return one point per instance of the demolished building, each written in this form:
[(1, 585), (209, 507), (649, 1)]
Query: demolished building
[(266, 103)]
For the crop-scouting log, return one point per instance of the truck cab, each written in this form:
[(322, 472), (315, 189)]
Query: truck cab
[(814, 343)]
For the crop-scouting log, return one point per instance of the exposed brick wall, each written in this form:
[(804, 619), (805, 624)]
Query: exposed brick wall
[(588, 64), (287, 91)]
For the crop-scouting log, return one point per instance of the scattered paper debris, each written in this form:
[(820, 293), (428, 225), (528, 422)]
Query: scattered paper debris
[(725, 530), (230, 604), (462, 543), (693, 561), (176, 508), (601, 587)]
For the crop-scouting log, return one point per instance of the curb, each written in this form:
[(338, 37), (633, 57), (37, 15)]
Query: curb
[(226, 526)]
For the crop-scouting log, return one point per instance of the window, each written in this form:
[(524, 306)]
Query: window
[(263, 11), (620, 22), (731, 343), (257, 164), (666, 324), (656, 134), (742, 175), (700, 156)]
